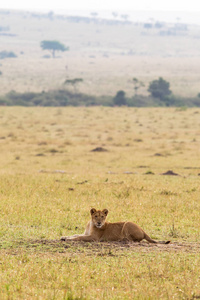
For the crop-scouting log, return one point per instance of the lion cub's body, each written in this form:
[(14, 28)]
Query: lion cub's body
[(98, 229), (115, 231)]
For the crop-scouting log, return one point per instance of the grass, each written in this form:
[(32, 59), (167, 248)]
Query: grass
[(63, 276), (49, 195)]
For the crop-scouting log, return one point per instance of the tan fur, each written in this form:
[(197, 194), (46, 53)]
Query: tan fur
[(98, 229)]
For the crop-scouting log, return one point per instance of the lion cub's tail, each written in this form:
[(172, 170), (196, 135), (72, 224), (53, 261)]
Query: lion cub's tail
[(150, 240)]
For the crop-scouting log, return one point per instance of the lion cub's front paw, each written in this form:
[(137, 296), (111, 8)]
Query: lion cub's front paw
[(64, 238)]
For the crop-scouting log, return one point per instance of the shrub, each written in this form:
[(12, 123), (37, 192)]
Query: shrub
[(120, 98), (159, 89), (144, 101), (6, 54), (67, 98)]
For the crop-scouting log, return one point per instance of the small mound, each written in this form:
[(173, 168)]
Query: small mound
[(158, 154), (149, 173), (99, 149), (170, 172)]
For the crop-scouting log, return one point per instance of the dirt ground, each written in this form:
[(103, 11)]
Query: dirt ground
[(142, 246), (103, 248)]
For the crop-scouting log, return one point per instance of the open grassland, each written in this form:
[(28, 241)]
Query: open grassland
[(107, 57), (50, 178)]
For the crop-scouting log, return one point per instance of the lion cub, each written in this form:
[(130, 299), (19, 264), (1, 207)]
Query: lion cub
[(98, 229)]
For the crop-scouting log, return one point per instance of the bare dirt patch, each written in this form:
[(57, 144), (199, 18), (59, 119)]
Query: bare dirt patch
[(102, 248), (142, 246)]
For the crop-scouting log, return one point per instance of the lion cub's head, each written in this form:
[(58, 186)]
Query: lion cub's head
[(98, 217)]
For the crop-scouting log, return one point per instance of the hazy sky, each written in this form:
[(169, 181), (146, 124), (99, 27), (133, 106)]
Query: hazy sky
[(114, 5)]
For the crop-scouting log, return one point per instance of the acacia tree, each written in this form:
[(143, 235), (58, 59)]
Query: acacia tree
[(73, 82), (53, 46)]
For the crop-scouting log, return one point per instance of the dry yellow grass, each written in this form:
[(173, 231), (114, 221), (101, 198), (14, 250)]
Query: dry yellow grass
[(49, 180), (136, 136)]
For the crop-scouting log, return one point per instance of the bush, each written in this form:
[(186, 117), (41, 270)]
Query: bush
[(144, 101), (66, 98), (6, 54), (120, 98), (3, 101), (159, 89), (51, 98)]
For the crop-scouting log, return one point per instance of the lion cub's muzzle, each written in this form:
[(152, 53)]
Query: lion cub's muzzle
[(98, 224)]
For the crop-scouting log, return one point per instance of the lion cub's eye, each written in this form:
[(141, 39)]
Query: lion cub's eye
[(102, 217)]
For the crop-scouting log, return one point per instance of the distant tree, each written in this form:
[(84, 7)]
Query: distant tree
[(50, 15), (53, 46), (159, 25), (4, 28), (148, 25), (125, 17), (159, 88), (114, 14), (120, 98), (7, 54), (137, 84), (94, 14), (73, 82)]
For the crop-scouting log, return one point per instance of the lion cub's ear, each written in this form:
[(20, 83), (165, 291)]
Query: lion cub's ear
[(105, 211), (92, 211)]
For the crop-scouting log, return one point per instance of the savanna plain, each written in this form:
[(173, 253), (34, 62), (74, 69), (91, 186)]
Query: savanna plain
[(106, 55), (50, 179), (58, 163)]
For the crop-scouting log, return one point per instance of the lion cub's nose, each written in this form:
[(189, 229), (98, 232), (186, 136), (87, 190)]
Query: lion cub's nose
[(98, 223)]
